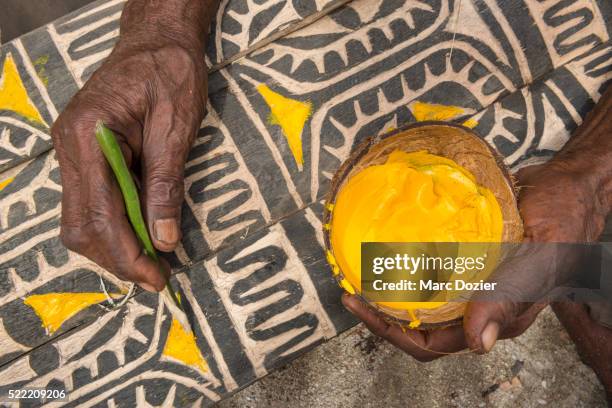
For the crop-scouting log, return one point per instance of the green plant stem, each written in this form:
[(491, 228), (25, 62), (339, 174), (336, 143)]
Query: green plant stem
[(110, 147)]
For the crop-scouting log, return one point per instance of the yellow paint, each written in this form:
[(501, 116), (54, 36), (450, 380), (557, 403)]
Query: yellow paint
[(41, 71), (181, 346), (336, 270), (291, 116), (414, 320), (413, 197), (54, 309), (13, 94), (346, 285), (471, 123), (6, 182), (332, 261), (430, 111), (330, 258)]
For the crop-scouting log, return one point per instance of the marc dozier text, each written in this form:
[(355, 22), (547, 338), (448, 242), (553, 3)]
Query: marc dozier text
[(421, 268)]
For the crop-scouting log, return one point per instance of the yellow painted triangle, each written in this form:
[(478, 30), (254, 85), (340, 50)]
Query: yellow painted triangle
[(181, 346), (13, 94), (6, 182), (291, 115), (430, 111), (54, 309), (471, 123)]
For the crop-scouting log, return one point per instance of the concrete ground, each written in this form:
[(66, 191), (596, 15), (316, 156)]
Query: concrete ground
[(356, 369)]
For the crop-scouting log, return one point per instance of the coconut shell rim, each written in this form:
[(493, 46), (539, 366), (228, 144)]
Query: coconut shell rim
[(344, 171)]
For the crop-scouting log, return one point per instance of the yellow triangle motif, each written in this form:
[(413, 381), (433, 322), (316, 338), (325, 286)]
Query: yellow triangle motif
[(430, 111), (471, 123), (290, 115), (13, 94), (181, 346), (54, 309)]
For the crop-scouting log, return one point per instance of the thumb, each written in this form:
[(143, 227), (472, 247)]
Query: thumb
[(165, 149), (524, 280), (486, 322), (483, 321)]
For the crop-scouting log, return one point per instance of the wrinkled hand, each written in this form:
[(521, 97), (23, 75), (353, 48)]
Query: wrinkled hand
[(557, 203), (153, 98)]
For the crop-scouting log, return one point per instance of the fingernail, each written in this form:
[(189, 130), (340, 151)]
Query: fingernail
[(147, 287), (488, 337), (166, 230), (348, 302)]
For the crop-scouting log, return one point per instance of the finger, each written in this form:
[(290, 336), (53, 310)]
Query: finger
[(109, 241), (70, 179), (422, 345), (126, 259), (119, 251), (112, 241), (168, 139), (485, 322), (525, 277), (75, 144)]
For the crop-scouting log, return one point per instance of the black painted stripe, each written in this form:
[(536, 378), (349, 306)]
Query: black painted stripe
[(302, 236), (255, 153), (530, 37), (60, 83), (222, 326), (570, 86)]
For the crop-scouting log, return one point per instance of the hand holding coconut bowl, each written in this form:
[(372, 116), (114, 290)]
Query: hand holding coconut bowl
[(436, 182)]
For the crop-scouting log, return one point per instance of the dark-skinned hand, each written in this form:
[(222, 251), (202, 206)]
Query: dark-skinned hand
[(557, 204), (151, 91)]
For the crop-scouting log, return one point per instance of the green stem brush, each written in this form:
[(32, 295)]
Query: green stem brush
[(110, 147)]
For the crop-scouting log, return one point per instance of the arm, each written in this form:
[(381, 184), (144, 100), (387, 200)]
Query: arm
[(152, 92), (593, 141), (579, 177), (181, 23)]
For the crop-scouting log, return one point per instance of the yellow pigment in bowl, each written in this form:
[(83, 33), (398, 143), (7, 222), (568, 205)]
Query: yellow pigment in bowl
[(413, 197)]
